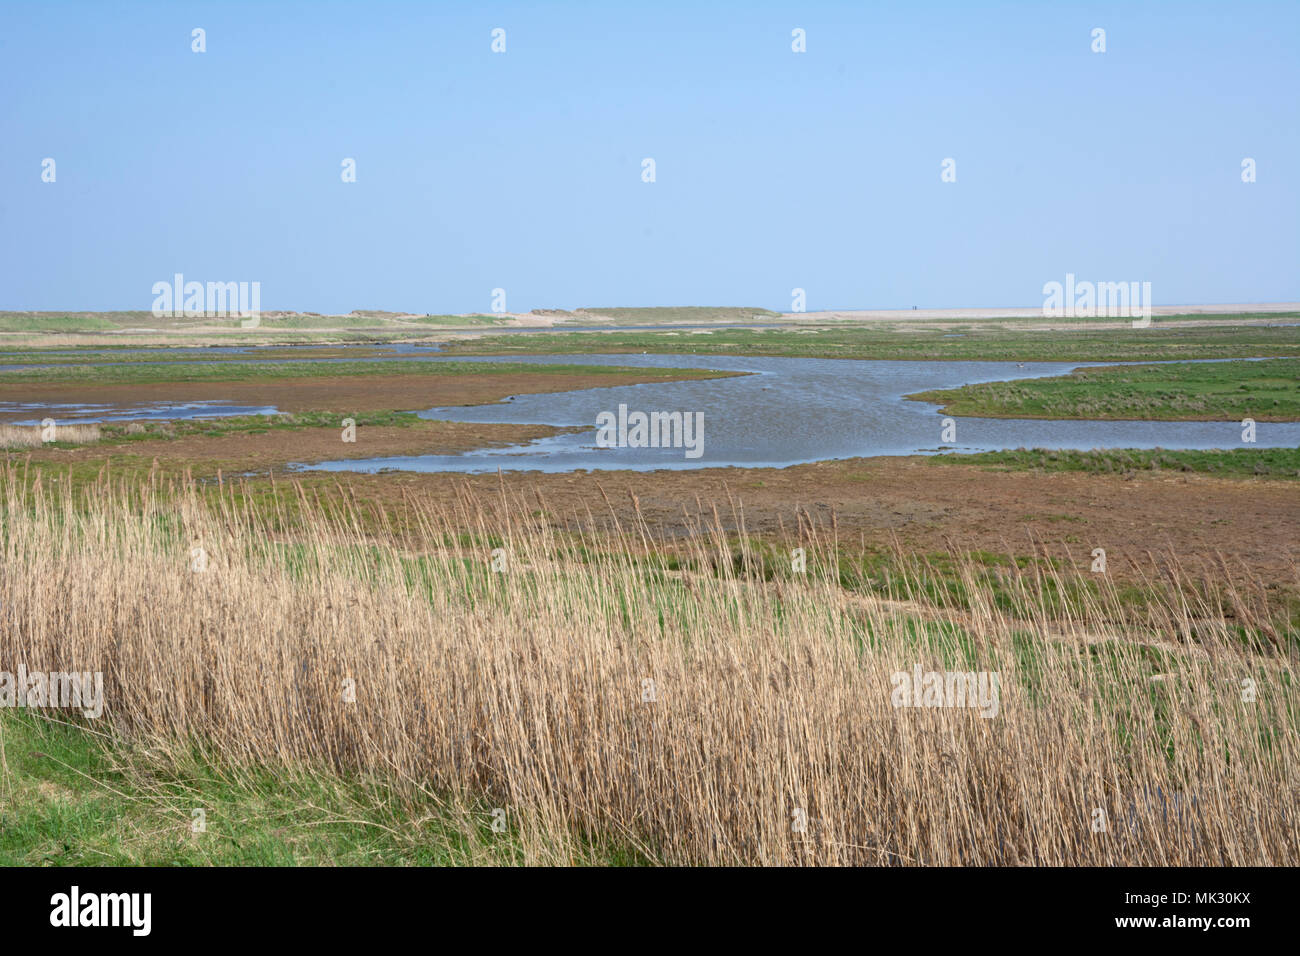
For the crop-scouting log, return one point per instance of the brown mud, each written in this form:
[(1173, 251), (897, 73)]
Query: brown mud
[(337, 393)]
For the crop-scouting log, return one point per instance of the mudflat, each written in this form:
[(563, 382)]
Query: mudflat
[(341, 393), (924, 506)]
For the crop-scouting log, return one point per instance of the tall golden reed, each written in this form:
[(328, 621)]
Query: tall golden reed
[(692, 711)]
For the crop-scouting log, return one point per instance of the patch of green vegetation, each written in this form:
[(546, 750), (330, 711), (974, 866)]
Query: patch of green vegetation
[(71, 796), (42, 322), (1241, 462), (919, 342), (940, 579), (1207, 391)]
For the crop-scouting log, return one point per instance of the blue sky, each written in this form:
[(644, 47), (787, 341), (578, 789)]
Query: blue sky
[(522, 170)]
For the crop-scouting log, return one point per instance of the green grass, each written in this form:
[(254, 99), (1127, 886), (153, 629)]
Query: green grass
[(23, 322), (70, 797), (1241, 462), (922, 342), (1217, 391)]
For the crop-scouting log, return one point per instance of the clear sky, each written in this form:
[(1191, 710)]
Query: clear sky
[(522, 170)]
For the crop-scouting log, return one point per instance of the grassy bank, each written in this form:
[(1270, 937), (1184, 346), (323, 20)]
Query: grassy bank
[(1213, 391), (688, 711), (1244, 462), (70, 796), (54, 323)]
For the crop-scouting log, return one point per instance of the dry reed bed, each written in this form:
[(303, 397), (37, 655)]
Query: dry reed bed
[(526, 689), (33, 436)]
